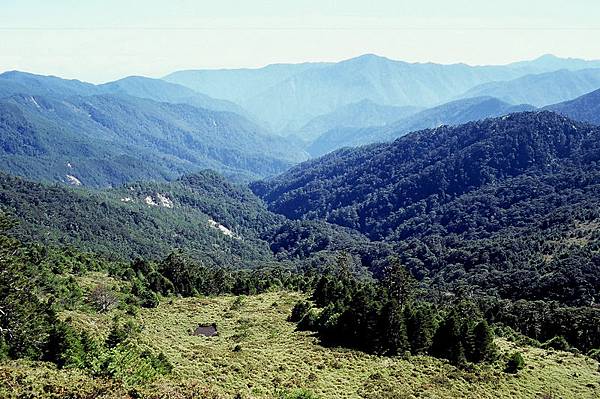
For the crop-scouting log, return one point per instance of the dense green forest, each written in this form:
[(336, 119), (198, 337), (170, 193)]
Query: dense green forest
[(396, 315), (505, 206), (203, 215)]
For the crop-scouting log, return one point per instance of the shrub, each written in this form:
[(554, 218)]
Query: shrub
[(594, 354), (120, 332), (299, 311), (515, 363), (559, 343), (238, 302), (133, 365), (149, 299), (300, 394), (3, 349), (309, 321)]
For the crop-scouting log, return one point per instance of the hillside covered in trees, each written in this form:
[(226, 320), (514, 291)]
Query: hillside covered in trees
[(203, 215), (54, 129), (505, 205)]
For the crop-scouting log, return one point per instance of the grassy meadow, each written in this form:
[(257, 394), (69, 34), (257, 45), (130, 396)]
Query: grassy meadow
[(258, 354)]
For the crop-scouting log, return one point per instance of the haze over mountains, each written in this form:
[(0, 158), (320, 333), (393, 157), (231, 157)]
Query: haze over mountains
[(585, 108), (70, 131), (159, 90), (288, 96), (452, 113), (542, 89), (142, 128)]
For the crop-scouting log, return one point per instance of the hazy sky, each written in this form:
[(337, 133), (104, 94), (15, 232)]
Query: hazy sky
[(105, 40)]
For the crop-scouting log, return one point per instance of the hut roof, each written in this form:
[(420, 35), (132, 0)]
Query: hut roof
[(206, 330)]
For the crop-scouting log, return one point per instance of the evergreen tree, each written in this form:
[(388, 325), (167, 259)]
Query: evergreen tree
[(395, 337), (66, 348), (483, 347), (447, 341), (398, 281), (420, 323), (181, 272)]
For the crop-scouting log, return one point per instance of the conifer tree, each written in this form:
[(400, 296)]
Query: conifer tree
[(483, 348), (395, 337)]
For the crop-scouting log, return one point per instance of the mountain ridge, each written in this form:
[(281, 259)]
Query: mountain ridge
[(452, 113), (310, 90)]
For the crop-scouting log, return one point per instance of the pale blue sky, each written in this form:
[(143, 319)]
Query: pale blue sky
[(105, 40)]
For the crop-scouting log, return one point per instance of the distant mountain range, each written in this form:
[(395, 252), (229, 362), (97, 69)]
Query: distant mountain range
[(159, 90), (141, 128), (585, 108), (74, 132), (542, 89), (360, 114), (452, 113), (288, 96)]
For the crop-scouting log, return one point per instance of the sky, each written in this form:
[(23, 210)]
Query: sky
[(99, 41)]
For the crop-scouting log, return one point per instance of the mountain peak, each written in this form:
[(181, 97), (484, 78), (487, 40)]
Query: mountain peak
[(547, 57), (369, 57)]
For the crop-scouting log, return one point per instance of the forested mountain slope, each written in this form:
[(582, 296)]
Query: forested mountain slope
[(207, 217), (16, 82), (203, 215), (136, 128), (477, 204), (110, 139)]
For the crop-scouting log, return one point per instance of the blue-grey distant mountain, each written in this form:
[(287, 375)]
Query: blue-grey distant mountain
[(238, 84), (585, 108), (549, 63), (542, 89), (15, 82), (108, 139), (361, 114), (452, 113), (289, 96), (162, 91)]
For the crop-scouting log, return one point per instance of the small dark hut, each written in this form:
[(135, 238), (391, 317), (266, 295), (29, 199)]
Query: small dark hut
[(206, 330)]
